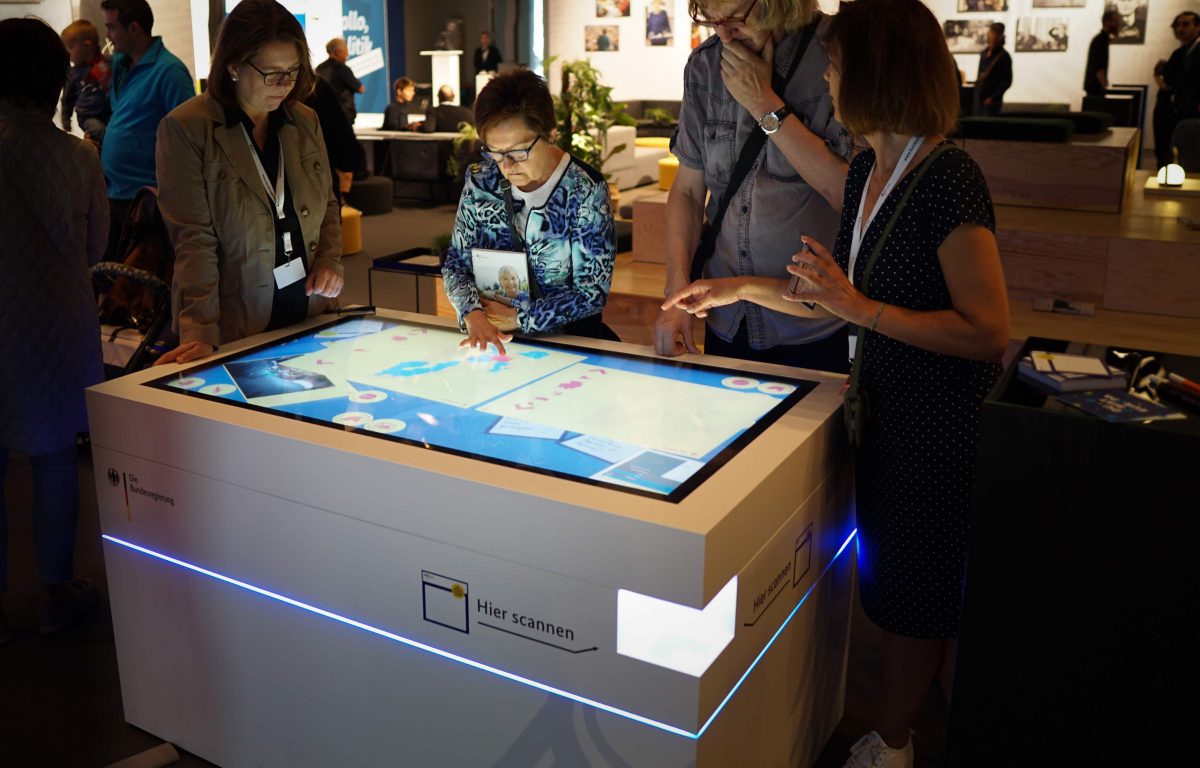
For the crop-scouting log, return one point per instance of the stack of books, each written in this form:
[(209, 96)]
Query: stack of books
[(1070, 373)]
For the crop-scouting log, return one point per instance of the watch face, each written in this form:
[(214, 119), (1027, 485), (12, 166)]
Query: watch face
[(770, 122)]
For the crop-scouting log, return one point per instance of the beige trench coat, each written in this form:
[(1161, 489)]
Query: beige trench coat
[(222, 222)]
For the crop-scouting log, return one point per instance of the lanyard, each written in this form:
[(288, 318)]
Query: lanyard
[(277, 193), (856, 238)]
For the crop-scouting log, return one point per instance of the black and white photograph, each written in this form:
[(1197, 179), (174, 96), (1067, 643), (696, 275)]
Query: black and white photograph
[(1133, 21), (659, 23), (601, 38), (982, 6), (1059, 3), (1041, 34), (967, 35), (607, 9)]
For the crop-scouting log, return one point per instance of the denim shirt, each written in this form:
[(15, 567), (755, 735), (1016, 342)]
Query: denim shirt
[(774, 205), (571, 242)]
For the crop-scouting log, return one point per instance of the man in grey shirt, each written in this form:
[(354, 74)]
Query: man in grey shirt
[(794, 188)]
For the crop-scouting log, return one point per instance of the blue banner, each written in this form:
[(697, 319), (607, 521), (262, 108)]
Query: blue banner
[(364, 25)]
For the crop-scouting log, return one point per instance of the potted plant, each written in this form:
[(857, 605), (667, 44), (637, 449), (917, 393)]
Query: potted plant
[(464, 146), (585, 110)]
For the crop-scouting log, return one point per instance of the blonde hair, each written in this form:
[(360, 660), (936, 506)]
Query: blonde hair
[(780, 15), (80, 29)]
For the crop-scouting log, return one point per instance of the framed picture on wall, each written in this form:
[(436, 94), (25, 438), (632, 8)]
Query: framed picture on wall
[(982, 6), (1059, 3), (1133, 21), (607, 9), (700, 34), (966, 35), (659, 28), (601, 38), (1041, 34)]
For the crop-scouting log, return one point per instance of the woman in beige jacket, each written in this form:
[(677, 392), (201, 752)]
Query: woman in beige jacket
[(245, 192)]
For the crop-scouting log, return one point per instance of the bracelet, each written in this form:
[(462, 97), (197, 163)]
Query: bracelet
[(875, 320)]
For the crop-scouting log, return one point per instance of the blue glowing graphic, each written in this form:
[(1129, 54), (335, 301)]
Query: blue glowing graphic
[(416, 368), (486, 667)]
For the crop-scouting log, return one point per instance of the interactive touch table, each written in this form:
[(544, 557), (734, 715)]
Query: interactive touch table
[(358, 544)]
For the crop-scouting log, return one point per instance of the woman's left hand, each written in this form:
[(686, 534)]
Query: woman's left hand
[(823, 282), (502, 315), (323, 282)]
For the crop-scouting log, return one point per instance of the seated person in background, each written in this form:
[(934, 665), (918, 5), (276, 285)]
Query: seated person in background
[(562, 221), (54, 224), (248, 259), (88, 81), (446, 116), (395, 115)]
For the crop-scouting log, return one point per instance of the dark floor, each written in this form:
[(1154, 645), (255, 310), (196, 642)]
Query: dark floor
[(60, 698)]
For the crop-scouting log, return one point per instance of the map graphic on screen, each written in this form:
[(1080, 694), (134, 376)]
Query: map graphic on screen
[(653, 427)]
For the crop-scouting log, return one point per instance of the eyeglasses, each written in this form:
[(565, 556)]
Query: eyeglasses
[(516, 155), (703, 20), (272, 79)]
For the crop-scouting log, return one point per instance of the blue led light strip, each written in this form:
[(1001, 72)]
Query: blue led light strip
[(485, 667)]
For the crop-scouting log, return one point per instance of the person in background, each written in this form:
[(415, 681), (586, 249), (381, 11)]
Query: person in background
[(562, 224), (1170, 76), (395, 115), (54, 226), (995, 74), (487, 56), (335, 71), (148, 81), (1095, 74), (345, 154), (86, 94), (795, 189), (247, 258), (934, 324), (447, 116)]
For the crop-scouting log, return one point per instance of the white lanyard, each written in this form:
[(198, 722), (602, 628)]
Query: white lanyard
[(856, 238), (276, 193)]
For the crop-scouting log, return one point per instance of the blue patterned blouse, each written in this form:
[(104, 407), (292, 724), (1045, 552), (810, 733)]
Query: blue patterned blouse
[(571, 242)]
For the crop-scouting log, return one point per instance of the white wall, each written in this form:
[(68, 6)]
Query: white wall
[(638, 71)]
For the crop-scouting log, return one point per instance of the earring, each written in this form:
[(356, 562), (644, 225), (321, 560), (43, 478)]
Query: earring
[(234, 78)]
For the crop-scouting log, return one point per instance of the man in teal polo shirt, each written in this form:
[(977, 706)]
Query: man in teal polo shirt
[(148, 81)]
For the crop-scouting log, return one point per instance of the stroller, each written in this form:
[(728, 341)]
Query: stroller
[(134, 293)]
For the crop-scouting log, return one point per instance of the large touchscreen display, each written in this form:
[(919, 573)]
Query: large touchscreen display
[(655, 427)]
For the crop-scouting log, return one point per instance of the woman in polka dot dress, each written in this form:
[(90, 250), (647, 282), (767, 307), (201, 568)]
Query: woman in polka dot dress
[(935, 320)]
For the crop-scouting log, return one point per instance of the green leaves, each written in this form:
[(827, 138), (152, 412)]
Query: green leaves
[(585, 111)]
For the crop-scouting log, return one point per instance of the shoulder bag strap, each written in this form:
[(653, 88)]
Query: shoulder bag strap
[(860, 332), (747, 156)]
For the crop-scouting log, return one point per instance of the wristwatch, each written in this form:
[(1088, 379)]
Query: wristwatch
[(771, 121)]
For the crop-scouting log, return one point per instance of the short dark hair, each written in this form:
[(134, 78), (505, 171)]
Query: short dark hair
[(33, 64), (129, 11), (519, 93), (402, 83), (1110, 14), (248, 27), (1195, 18), (897, 74)]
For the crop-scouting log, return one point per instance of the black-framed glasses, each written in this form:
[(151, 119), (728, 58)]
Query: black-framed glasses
[(272, 79), (703, 20), (516, 155)]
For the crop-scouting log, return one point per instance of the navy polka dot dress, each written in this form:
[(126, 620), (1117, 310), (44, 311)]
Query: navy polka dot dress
[(916, 466)]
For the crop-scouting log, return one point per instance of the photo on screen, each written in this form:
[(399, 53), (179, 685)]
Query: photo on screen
[(270, 377), (501, 276), (601, 39)]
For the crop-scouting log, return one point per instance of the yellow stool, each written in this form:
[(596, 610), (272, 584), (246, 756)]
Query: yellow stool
[(654, 142), (351, 230), (666, 171)]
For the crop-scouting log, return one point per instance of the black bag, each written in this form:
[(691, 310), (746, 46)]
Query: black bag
[(141, 280), (750, 150)]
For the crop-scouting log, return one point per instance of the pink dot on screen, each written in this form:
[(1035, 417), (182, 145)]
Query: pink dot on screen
[(740, 382)]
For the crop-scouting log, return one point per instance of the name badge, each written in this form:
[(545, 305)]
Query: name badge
[(289, 273)]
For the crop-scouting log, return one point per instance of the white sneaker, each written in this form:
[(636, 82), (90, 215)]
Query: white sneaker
[(871, 751)]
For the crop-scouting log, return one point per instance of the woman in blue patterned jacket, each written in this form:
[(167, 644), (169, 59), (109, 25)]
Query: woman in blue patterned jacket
[(561, 220)]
